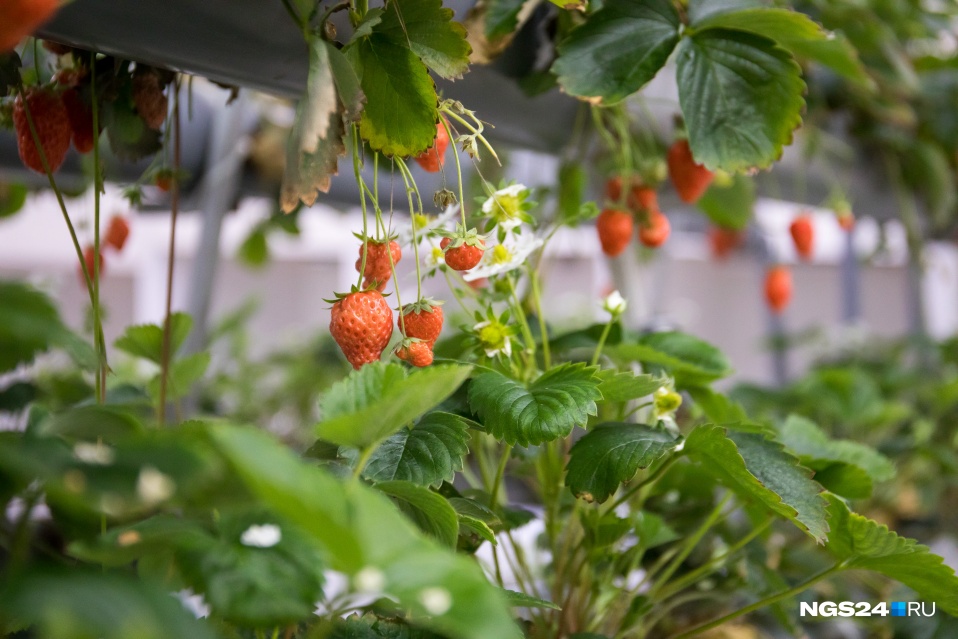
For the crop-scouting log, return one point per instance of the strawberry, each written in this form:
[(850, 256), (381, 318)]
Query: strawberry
[(89, 255), (361, 322), (378, 269), (81, 120), (463, 251), (52, 125), (691, 179), (655, 231), (643, 198), (20, 18), (423, 320), (613, 188), (803, 235), (416, 352), (723, 241), (148, 97), (615, 230), (163, 180), (778, 287), (117, 232), (432, 160), (57, 48), (847, 222)]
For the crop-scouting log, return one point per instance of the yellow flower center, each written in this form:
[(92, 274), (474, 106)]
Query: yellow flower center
[(419, 221), (506, 206), (501, 255), (436, 254), (493, 337), (667, 402)]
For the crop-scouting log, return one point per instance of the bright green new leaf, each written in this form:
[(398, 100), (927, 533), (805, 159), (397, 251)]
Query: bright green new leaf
[(373, 17), (401, 102), (618, 50), (795, 32), (146, 340), (741, 97), (862, 543), (476, 526), (730, 206), (430, 511), (183, 375), (612, 453), (717, 407), (622, 387), (426, 27), (760, 470), (376, 401), (254, 251), (427, 454), (545, 410), (846, 480), (691, 360), (360, 528)]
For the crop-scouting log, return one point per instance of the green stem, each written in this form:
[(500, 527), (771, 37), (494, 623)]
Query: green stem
[(362, 204), (364, 456), (97, 186), (767, 601), (543, 330), (174, 212), (689, 545), (406, 177), (648, 481), (523, 320), (602, 338), (500, 473), (455, 154)]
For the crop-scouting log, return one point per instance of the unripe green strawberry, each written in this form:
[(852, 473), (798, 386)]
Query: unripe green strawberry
[(361, 323)]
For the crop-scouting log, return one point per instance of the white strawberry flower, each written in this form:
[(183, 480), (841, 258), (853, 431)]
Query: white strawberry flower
[(505, 257), (505, 206), (614, 304), (261, 536)]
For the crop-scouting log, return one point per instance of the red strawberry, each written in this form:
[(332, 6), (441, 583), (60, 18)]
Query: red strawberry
[(89, 255), (378, 269), (148, 96), (778, 287), (615, 230), (57, 48), (81, 121), (464, 252), (613, 188), (117, 232), (723, 241), (803, 235), (53, 129), (432, 160), (423, 320), (644, 198), (361, 323), (163, 180), (654, 233), (691, 179), (20, 18), (417, 353)]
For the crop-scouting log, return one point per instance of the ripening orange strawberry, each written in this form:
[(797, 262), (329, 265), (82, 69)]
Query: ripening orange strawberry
[(655, 231), (778, 287), (615, 230), (20, 18), (433, 159), (643, 198), (803, 235), (847, 221)]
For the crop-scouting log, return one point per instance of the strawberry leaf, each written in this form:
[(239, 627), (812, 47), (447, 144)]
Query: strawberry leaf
[(741, 96), (730, 206), (545, 410), (864, 544), (692, 361), (146, 340), (618, 50), (759, 470), (427, 454), (612, 453), (431, 513), (426, 27)]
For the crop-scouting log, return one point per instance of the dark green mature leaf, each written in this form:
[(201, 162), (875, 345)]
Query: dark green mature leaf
[(691, 360), (622, 387), (402, 106), (864, 544), (795, 32), (730, 206), (612, 453), (70, 602), (717, 407), (741, 97), (699, 10), (29, 325), (502, 17), (760, 470), (427, 454), (805, 439), (618, 50), (376, 401), (360, 528), (431, 513), (426, 27), (146, 340), (545, 410)]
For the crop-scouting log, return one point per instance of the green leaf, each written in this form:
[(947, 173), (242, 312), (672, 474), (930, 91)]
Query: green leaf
[(741, 97), (183, 375), (254, 251), (129, 136), (545, 410), (717, 407), (431, 513), (699, 10), (9, 72), (653, 531), (522, 600), (692, 361), (12, 199), (146, 340), (67, 603), (426, 27), (730, 206), (572, 183), (795, 32), (401, 102), (847, 480), (760, 470), (360, 528), (376, 401), (373, 17), (612, 453), (108, 423), (805, 439), (502, 17), (864, 544), (476, 526), (618, 50), (427, 454), (622, 387), (29, 325)]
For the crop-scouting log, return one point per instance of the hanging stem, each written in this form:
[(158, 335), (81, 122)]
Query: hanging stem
[(97, 188), (406, 177), (362, 203), (174, 211), (455, 154)]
